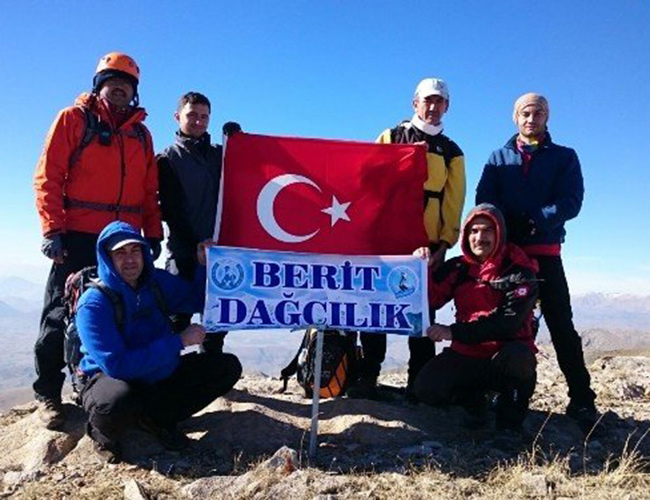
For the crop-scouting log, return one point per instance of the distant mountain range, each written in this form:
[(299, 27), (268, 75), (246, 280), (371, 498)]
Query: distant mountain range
[(606, 321), (19, 295), (20, 298)]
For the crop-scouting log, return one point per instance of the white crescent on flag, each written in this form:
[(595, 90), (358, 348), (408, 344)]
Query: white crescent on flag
[(266, 199)]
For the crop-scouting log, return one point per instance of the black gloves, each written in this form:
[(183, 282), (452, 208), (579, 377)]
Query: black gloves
[(520, 228), (230, 128), (156, 247), (52, 247), (528, 227)]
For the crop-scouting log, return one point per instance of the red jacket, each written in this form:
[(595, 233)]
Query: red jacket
[(494, 300), (118, 181)]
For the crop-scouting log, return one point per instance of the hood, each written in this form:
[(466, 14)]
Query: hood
[(87, 100), (105, 268), (492, 213)]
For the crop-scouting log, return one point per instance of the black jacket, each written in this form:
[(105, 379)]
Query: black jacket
[(189, 175)]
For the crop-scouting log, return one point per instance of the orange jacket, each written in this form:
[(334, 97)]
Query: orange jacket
[(118, 181)]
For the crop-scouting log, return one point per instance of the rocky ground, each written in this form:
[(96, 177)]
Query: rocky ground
[(253, 444)]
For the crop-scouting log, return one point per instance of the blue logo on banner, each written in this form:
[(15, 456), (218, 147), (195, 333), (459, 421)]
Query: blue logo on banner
[(402, 282), (227, 274)]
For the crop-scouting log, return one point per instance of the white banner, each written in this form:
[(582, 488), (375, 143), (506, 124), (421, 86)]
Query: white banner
[(254, 289)]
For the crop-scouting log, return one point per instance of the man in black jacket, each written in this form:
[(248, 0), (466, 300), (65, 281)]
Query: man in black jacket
[(190, 178)]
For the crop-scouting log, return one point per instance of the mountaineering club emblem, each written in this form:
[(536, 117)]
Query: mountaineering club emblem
[(402, 282), (227, 274)]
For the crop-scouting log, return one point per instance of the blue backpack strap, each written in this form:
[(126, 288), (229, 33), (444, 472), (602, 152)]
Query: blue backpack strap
[(90, 131)]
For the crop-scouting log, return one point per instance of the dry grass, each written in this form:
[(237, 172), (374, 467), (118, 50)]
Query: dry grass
[(530, 476), (469, 468), (623, 477)]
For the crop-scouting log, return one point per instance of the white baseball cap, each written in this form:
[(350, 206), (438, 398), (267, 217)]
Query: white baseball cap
[(431, 86)]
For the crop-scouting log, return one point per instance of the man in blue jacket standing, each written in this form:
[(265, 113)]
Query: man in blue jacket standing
[(133, 371), (538, 186)]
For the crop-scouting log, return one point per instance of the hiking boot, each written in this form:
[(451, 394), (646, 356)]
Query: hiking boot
[(173, 439), (109, 454), (410, 397), (511, 411), (505, 424), (476, 410), (476, 418), (365, 388), (170, 437), (585, 415), (52, 414)]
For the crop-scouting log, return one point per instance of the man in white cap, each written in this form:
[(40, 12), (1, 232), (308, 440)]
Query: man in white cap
[(538, 186), (444, 196)]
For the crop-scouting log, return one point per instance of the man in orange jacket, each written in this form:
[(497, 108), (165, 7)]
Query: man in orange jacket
[(97, 166)]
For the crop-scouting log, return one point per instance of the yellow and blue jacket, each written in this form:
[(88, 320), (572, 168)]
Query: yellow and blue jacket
[(444, 189)]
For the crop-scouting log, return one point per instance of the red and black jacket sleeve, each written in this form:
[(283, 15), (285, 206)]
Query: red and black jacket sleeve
[(443, 282), (504, 322)]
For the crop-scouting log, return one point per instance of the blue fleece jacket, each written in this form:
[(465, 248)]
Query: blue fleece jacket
[(550, 193), (146, 350)]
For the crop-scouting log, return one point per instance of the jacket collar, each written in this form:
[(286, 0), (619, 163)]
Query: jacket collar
[(192, 144), (91, 102), (546, 143)]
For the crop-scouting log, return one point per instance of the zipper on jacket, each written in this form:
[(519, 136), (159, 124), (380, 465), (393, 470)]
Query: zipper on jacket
[(120, 143)]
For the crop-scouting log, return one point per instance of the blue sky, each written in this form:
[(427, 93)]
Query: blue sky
[(348, 70)]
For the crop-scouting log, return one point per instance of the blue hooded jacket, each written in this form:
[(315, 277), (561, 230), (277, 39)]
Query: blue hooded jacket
[(550, 194), (146, 350)]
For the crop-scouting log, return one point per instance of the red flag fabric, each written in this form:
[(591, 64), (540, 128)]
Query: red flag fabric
[(322, 196)]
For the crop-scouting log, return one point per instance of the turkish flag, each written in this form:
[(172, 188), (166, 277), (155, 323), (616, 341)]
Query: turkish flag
[(322, 196)]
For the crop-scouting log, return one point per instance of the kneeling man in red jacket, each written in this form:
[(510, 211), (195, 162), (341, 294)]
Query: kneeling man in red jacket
[(494, 290)]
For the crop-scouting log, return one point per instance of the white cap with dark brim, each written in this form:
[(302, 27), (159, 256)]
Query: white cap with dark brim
[(116, 243), (432, 86)]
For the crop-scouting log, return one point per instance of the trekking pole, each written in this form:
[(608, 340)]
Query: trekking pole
[(313, 438)]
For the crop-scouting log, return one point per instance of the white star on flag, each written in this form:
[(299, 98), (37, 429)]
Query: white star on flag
[(337, 211)]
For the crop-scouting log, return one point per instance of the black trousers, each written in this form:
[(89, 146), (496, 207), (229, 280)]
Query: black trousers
[(421, 350), (113, 405), (185, 268), (556, 308), (48, 351), (452, 377)]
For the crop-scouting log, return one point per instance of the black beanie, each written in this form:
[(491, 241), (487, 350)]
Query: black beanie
[(102, 76)]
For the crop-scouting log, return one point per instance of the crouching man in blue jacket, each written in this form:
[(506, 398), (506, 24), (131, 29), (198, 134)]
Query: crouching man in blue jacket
[(133, 368)]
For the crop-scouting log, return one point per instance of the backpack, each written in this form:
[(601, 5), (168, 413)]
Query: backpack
[(339, 366), (93, 127), (75, 285)]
